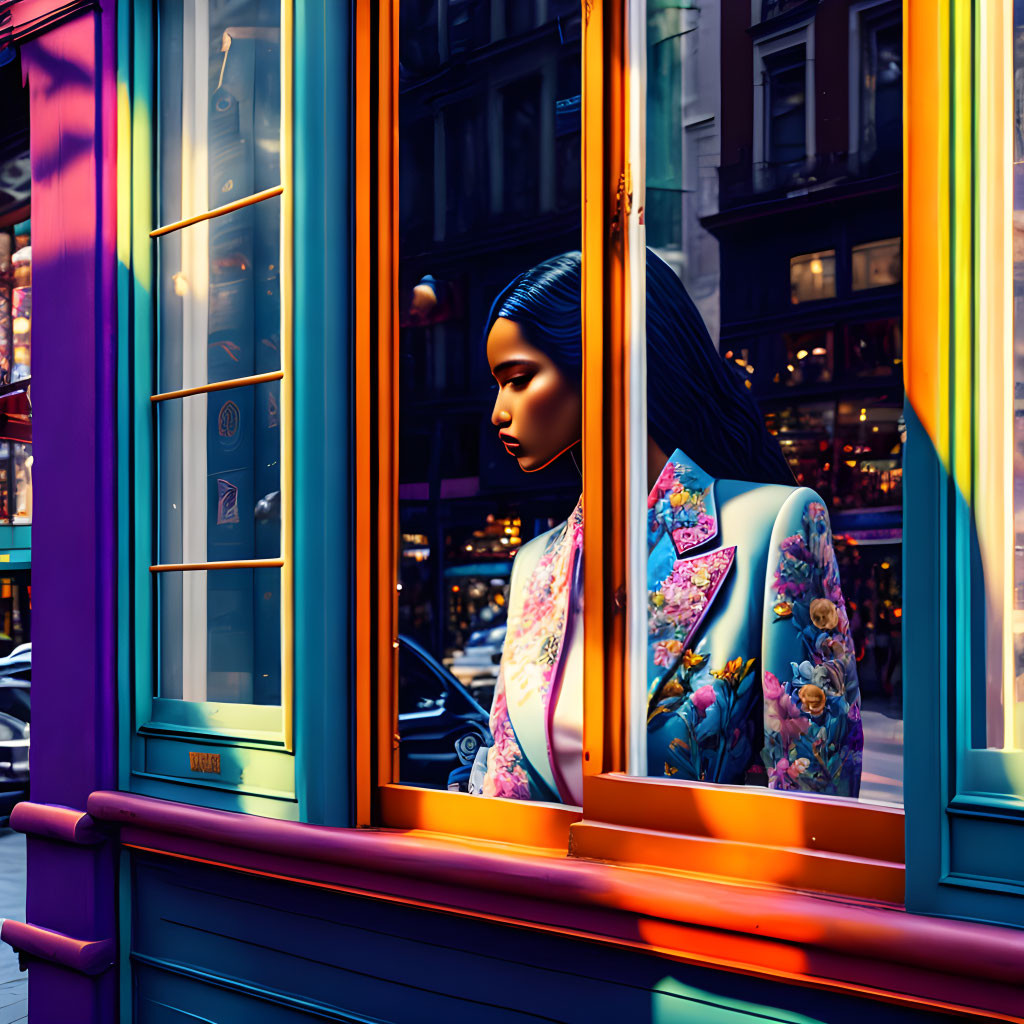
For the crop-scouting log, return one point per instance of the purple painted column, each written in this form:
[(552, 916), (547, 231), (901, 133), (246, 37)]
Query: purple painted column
[(69, 58)]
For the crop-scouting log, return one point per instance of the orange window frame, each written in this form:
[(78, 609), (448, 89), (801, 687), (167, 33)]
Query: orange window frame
[(628, 819)]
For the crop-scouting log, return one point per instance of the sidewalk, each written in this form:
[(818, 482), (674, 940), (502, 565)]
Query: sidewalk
[(13, 983)]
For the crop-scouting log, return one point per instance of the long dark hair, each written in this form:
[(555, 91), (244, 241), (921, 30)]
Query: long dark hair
[(695, 399)]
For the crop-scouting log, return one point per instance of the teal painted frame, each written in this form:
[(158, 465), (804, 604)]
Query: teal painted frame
[(324, 411), (965, 818), (157, 735), (323, 419)]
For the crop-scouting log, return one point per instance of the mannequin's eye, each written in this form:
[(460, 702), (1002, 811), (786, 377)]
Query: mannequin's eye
[(519, 381)]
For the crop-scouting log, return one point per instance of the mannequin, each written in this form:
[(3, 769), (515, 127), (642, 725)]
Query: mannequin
[(751, 674)]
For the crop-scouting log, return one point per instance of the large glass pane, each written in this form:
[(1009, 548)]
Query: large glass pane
[(220, 636), (220, 476), (489, 188), (220, 103), (220, 298), (773, 357)]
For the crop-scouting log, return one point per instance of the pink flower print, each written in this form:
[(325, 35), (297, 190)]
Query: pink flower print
[(685, 537), (666, 652), (782, 716), (705, 523), (798, 767), (772, 686), (703, 698), (505, 775), (778, 776)]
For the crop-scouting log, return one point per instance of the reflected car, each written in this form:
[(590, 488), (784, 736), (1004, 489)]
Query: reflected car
[(440, 725), (476, 665)]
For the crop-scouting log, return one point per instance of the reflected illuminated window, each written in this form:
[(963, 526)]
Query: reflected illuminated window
[(812, 276), (877, 264)]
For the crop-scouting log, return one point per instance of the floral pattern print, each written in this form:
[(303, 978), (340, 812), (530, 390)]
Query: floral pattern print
[(676, 605), (681, 505), (813, 736), (506, 775), (531, 656), (709, 716), (701, 723)]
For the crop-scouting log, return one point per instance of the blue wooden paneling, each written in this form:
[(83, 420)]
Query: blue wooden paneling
[(236, 947)]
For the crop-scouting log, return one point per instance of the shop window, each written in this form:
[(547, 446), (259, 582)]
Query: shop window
[(212, 568), (723, 705), (877, 264), (488, 556), (806, 434), (510, 157), (812, 276)]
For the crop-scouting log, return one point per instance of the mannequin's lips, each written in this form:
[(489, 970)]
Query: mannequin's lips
[(510, 442)]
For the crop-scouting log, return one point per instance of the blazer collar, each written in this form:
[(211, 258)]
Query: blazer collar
[(682, 504)]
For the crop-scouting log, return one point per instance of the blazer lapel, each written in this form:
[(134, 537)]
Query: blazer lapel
[(684, 573)]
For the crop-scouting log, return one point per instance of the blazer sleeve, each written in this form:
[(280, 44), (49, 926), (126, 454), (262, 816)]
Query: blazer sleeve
[(813, 737)]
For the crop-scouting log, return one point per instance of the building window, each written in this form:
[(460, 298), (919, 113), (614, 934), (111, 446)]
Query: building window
[(812, 276), (785, 80), (877, 264), (881, 85), (774, 8)]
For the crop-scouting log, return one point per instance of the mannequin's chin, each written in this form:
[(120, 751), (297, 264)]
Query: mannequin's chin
[(531, 463)]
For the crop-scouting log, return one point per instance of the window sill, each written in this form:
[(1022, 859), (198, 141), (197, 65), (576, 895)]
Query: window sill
[(791, 840), (870, 948)]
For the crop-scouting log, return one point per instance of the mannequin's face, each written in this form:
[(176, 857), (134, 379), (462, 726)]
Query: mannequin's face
[(538, 411)]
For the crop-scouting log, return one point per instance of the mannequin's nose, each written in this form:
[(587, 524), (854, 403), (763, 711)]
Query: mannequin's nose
[(499, 416)]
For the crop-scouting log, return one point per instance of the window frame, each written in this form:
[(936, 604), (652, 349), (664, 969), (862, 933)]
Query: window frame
[(765, 47), (962, 830), (159, 734), (628, 819)]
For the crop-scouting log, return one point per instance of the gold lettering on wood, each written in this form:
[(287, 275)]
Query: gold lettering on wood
[(200, 761)]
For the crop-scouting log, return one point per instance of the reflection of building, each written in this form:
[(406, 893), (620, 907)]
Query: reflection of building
[(809, 228), (489, 186), (684, 144)]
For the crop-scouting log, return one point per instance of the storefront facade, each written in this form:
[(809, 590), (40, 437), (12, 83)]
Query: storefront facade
[(219, 825)]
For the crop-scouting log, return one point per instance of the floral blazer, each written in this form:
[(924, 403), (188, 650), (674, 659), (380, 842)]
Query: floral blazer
[(751, 670)]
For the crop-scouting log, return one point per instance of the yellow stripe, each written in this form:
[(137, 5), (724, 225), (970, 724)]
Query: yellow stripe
[(287, 423)]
